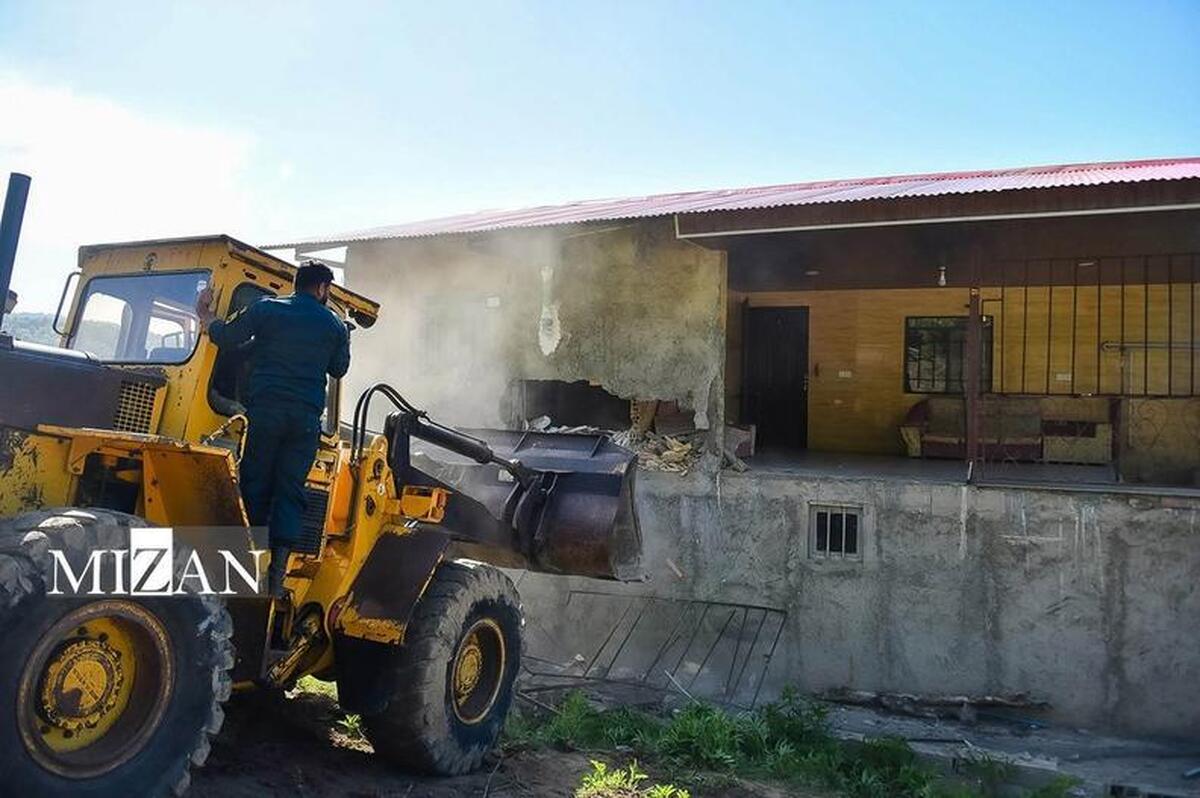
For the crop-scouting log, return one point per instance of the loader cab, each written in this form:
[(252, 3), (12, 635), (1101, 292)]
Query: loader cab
[(132, 308)]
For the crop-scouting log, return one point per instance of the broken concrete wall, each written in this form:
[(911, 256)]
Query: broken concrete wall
[(1086, 600), (625, 305)]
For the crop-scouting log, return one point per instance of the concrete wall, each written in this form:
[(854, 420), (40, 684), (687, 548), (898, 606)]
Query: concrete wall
[(1087, 601), (625, 306)]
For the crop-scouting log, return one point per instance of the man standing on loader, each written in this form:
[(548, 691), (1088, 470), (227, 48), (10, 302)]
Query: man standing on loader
[(118, 689), (296, 342)]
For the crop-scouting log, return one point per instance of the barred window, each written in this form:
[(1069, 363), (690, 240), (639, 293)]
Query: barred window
[(835, 532), (935, 354)]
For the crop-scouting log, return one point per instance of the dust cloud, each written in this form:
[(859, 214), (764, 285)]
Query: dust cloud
[(465, 318)]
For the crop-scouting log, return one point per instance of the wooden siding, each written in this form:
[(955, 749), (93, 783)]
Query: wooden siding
[(1136, 340), (856, 351)]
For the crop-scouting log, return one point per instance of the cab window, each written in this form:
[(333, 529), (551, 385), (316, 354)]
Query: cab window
[(140, 318)]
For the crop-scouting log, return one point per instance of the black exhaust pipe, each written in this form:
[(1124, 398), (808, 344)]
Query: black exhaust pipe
[(10, 231)]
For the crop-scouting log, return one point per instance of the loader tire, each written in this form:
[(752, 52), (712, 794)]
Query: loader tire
[(101, 695), (451, 681)]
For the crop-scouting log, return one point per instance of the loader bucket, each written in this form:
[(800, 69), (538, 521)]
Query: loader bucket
[(588, 524)]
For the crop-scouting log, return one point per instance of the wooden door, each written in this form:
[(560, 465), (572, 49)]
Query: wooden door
[(775, 381)]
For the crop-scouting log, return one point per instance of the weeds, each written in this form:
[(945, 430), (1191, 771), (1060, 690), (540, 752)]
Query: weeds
[(351, 726), (989, 773), (786, 741), (1060, 787), (623, 783)]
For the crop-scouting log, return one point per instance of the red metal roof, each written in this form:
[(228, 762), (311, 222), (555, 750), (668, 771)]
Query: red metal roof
[(824, 191)]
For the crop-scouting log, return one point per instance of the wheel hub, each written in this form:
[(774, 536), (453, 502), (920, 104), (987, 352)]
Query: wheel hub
[(470, 664), (94, 687), (82, 684), (478, 671)]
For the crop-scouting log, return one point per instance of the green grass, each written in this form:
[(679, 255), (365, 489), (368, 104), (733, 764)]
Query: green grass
[(988, 773), (623, 783), (351, 726), (787, 741)]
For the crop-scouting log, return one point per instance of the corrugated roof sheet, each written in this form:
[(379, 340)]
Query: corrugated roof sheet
[(824, 191)]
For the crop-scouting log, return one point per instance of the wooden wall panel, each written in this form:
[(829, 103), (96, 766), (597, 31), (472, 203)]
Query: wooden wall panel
[(1062, 341), (1137, 340), (856, 361)]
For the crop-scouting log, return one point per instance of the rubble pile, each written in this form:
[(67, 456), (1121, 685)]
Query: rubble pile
[(678, 454)]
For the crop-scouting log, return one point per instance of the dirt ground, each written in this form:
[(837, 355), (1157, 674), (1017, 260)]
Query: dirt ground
[(293, 747)]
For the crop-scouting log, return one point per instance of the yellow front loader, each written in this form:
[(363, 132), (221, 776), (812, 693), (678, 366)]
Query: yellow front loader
[(120, 447)]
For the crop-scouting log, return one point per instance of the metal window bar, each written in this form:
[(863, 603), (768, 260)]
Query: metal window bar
[(835, 532), (935, 355), (1074, 319), (1105, 327), (1170, 326), (1162, 372), (1049, 324), (1024, 325), (1099, 318), (1121, 365), (1145, 326)]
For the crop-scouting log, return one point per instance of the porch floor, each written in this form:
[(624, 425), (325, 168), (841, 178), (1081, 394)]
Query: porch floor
[(844, 465)]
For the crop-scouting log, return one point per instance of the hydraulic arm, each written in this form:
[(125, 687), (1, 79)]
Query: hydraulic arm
[(565, 502)]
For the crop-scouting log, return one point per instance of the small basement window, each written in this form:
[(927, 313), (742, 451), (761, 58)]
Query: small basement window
[(835, 532)]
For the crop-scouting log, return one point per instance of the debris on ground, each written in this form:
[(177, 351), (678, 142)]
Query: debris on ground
[(641, 416), (665, 438), (671, 419), (677, 454), (960, 707), (739, 439), (1097, 764), (731, 460), (664, 452)]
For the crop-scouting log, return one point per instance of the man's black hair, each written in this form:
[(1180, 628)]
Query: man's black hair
[(311, 274)]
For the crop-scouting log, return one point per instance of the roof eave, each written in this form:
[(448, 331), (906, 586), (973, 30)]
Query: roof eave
[(882, 190)]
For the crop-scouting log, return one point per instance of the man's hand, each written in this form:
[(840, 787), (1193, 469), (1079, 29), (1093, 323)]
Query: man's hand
[(204, 307)]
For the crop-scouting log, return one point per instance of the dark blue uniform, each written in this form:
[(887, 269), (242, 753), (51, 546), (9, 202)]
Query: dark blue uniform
[(297, 342)]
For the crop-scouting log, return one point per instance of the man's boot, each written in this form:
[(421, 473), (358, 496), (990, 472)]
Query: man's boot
[(276, 571)]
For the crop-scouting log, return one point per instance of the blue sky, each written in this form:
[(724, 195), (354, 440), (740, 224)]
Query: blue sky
[(277, 120)]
